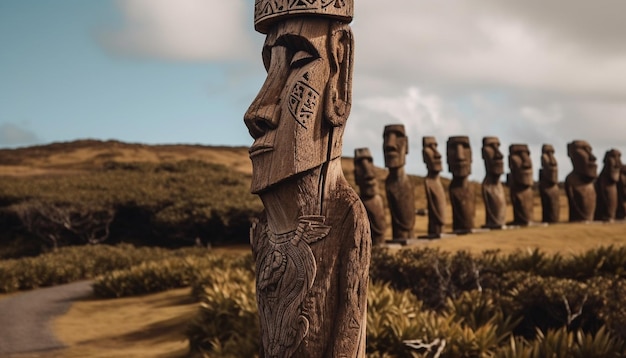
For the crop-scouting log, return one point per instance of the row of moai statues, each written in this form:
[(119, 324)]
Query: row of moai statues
[(590, 196)]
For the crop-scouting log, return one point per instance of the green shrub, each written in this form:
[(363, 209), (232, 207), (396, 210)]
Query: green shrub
[(80, 262), (226, 324)]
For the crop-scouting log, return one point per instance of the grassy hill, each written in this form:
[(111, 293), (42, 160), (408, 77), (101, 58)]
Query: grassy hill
[(169, 195)]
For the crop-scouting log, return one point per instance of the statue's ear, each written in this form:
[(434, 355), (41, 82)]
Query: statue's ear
[(338, 100)]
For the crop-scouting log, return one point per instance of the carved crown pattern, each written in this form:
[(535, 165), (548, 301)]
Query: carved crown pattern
[(266, 12)]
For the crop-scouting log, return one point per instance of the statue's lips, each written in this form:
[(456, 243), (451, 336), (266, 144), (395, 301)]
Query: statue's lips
[(256, 150)]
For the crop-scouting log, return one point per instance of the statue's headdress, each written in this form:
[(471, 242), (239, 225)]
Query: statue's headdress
[(267, 12)]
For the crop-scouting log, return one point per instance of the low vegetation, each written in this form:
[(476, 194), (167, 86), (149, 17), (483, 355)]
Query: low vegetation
[(422, 302), (70, 264), (164, 204)]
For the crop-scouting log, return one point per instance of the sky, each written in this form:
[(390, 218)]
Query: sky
[(185, 72)]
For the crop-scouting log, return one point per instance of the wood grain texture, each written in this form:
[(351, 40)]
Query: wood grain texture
[(312, 245)]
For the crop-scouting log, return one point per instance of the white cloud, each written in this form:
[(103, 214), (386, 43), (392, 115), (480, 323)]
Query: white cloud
[(542, 116), (189, 30), (525, 71)]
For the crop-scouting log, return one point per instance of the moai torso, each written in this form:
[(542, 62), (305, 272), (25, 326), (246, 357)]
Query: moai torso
[(462, 197), (621, 192), (365, 178), (435, 194), (607, 198), (398, 186), (312, 244), (521, 184), (492, 189), (579, 184), (549, 186)]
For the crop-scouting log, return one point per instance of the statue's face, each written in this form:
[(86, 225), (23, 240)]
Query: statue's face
[(492, 156), (365, 176), (286, 117), (520, 164), (613, 162), (431, 155), (548, 160), (459, 156), (395, 146), (583, 160)]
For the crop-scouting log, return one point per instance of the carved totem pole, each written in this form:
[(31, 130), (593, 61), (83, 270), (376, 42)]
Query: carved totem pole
[(435, 194), (400, 194), (549, 186), (579, 184), (520, 183), (459, 156), (365, 178), (606, 186), (621, 192), (492, 189), (312, 245)]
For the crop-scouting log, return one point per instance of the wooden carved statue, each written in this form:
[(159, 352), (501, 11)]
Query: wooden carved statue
[(435, 194), (549, 186), (621, 192), (365, 178), (520, 181), (459, 156), (399, 189), (606, 186), (312, 245), (492, 189), (579, 184)]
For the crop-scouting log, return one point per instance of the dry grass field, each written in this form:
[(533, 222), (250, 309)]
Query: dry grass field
[(153, 325)]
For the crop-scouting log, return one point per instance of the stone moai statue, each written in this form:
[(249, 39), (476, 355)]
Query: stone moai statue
[(462, 199), (579, 184), (549, 186), (606, 186), (435, 194), (398, 186), (492, 189), (621, 192), (365, 178), (520, 182), (312, 244)]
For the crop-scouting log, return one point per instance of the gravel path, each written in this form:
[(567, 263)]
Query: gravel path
[(25, 318)]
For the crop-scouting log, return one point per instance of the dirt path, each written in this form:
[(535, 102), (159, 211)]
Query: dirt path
[(25, 318)]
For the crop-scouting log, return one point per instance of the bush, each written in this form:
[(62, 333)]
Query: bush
[(76, 263)]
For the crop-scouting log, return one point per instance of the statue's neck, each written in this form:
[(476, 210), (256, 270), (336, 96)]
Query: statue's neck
[(300, 195), (491, 179), (396, 173), (432, 174)]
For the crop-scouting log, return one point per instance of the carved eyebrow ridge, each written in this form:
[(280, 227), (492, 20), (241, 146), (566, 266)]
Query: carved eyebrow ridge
[(297, 42)]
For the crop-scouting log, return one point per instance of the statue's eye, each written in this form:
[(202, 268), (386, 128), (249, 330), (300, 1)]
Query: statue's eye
[(300, 59)]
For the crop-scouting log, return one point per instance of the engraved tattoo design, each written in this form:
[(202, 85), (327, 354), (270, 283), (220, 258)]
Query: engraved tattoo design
[(285, 271)]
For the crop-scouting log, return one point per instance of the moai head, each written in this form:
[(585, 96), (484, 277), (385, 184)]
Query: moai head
[(364, 173), (613, 165), (583, 160), (549, 167), (395, 146), (459, 155), (494, 163), (431, 155), (298, 117), (520, 164)]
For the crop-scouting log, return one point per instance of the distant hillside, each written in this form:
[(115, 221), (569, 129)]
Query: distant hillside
[(156, 192), (84, 155)]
